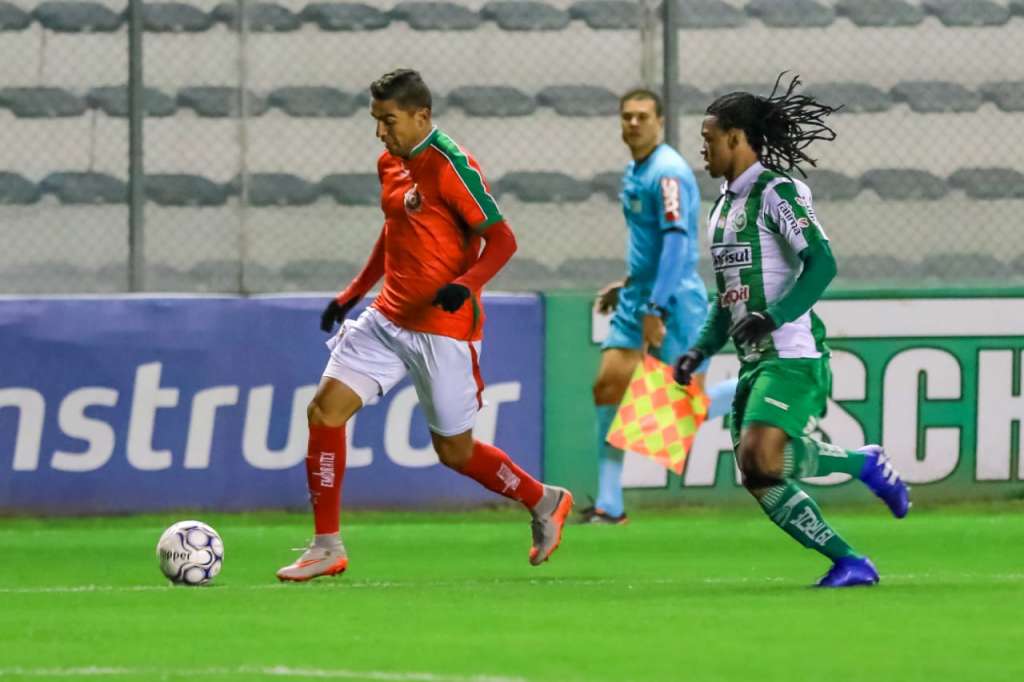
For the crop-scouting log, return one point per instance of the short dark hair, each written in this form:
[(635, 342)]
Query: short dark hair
[(405, 87), (642, 93)]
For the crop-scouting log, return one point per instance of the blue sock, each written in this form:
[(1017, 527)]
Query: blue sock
[(721, 395), (609, 476)]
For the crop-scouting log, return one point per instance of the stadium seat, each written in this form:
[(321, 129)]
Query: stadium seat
[(1007, 95), (592, 271), (710, 188), (904, 183), (41, 102), (525, 15), (258, 278), (968, 12), (263, 17), (855, 98), (689, 100), (524, 274), (960, 265), (436, 16), (579, 100), (827, 185), (113, 101), (543, 187), (1017, 7), (707, 14), (876, 267), (216, 275), (315, 274), (15, 189), (792, 13), (488, 100), (174, 17), (181, 189), (607, 14), (353, 189), (163, 277), (935, 97), (989, 183), (608, 183), (46, 277), (77, 17), (13, 18), (345, 16), (213, 101), (85, 188), (277, 189), (439, 105), (880, 13), (313, 101)]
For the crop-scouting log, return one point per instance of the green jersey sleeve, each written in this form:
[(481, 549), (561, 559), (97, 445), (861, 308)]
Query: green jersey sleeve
[(790, 212)]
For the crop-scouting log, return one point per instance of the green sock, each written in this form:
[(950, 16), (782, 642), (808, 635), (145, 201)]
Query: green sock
[(806, 457), (793, 510)]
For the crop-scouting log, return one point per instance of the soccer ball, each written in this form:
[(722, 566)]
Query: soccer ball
[(190, 553)]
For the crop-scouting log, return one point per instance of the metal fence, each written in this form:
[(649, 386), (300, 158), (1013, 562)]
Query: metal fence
[(259, 154)]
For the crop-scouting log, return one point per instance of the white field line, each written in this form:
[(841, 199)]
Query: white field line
[(251, 671), (383, 585)]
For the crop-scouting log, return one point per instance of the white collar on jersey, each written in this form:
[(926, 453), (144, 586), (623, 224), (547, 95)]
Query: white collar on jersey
[(746, 179)]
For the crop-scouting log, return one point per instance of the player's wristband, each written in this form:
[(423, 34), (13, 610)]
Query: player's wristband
[(652, 308)]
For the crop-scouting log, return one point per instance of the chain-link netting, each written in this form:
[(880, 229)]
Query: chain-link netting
[(260, 155)]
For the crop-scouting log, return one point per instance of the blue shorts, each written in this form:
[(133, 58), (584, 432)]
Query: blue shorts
[(687, 310)]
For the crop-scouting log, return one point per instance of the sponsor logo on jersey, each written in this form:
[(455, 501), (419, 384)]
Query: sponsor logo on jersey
[(731, 297), (806, 203), (635, 205), (729, 256), (803, 223), (413, 201), (670, 199)]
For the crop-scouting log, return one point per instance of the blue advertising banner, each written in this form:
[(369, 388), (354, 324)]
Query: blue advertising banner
[(141, 404)]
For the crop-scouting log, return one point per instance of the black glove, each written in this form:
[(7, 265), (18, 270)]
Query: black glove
[(752, 328), (450, 297), (686, 365), (335, 312)]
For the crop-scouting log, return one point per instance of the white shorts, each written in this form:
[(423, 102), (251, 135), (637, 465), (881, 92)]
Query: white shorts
[(371, 354)]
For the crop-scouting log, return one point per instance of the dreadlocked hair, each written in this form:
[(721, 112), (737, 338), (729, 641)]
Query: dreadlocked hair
[(779, 127)]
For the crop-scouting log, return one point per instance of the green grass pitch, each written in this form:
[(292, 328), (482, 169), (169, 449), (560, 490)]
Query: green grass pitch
[(697, 594)]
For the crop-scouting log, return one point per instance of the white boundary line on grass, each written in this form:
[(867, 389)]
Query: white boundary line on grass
[(250, 671)]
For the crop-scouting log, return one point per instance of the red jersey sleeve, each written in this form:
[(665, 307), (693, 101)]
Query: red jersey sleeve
[(466, 191)]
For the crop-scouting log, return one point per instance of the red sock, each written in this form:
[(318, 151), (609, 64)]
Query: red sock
[(325, 471), (494, 470)]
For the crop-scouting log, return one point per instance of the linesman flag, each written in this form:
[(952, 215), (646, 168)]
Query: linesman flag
[(657, 417)]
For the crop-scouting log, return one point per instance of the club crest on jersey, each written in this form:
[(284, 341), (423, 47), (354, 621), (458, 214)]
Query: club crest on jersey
[(737, 221), (413, 201)]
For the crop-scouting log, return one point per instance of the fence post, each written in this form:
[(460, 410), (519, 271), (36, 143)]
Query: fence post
[(670, 71), (136, 171)]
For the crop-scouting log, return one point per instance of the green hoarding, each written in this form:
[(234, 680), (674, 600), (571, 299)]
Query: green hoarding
[(936, 379)]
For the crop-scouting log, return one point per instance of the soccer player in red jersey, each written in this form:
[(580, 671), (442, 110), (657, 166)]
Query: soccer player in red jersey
[(427, 322)]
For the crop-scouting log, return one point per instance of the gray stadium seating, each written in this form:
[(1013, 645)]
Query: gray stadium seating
[(313, 101), (710, 188), (525, 15), (579, 100), (1017, 7), (875, 267), (792, 13), (880, 13), (608, 183), (545, 187), (931, 97), (904, 183), (85, 188), (525, 273), (345, 16), (607, 14), (263, 17), (1007, 95), (113, 101), (592, 271), (708, 14), (219, 101), (436, 16), (15, 189), (216, 275), (13, 18), (77, 17), (41, 102), (353, 189), (855, 98), (1017, 265), (439, 105), (760, 89), (47, 277), (174, 17), (989, 183), (318, 274), (277, 189), (163, 277), (968, 12), (827, 185), (487, 100), (181, 189), (977, 266), (690, 100)]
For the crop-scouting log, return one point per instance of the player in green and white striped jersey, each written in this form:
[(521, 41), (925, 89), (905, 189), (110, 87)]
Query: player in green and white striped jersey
[(772, 262)]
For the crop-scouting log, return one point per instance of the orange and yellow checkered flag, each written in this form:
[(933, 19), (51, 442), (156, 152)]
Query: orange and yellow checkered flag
[(657, 417)]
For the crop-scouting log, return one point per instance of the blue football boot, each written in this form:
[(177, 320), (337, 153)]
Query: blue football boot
[(850, 571), (879, 475)]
